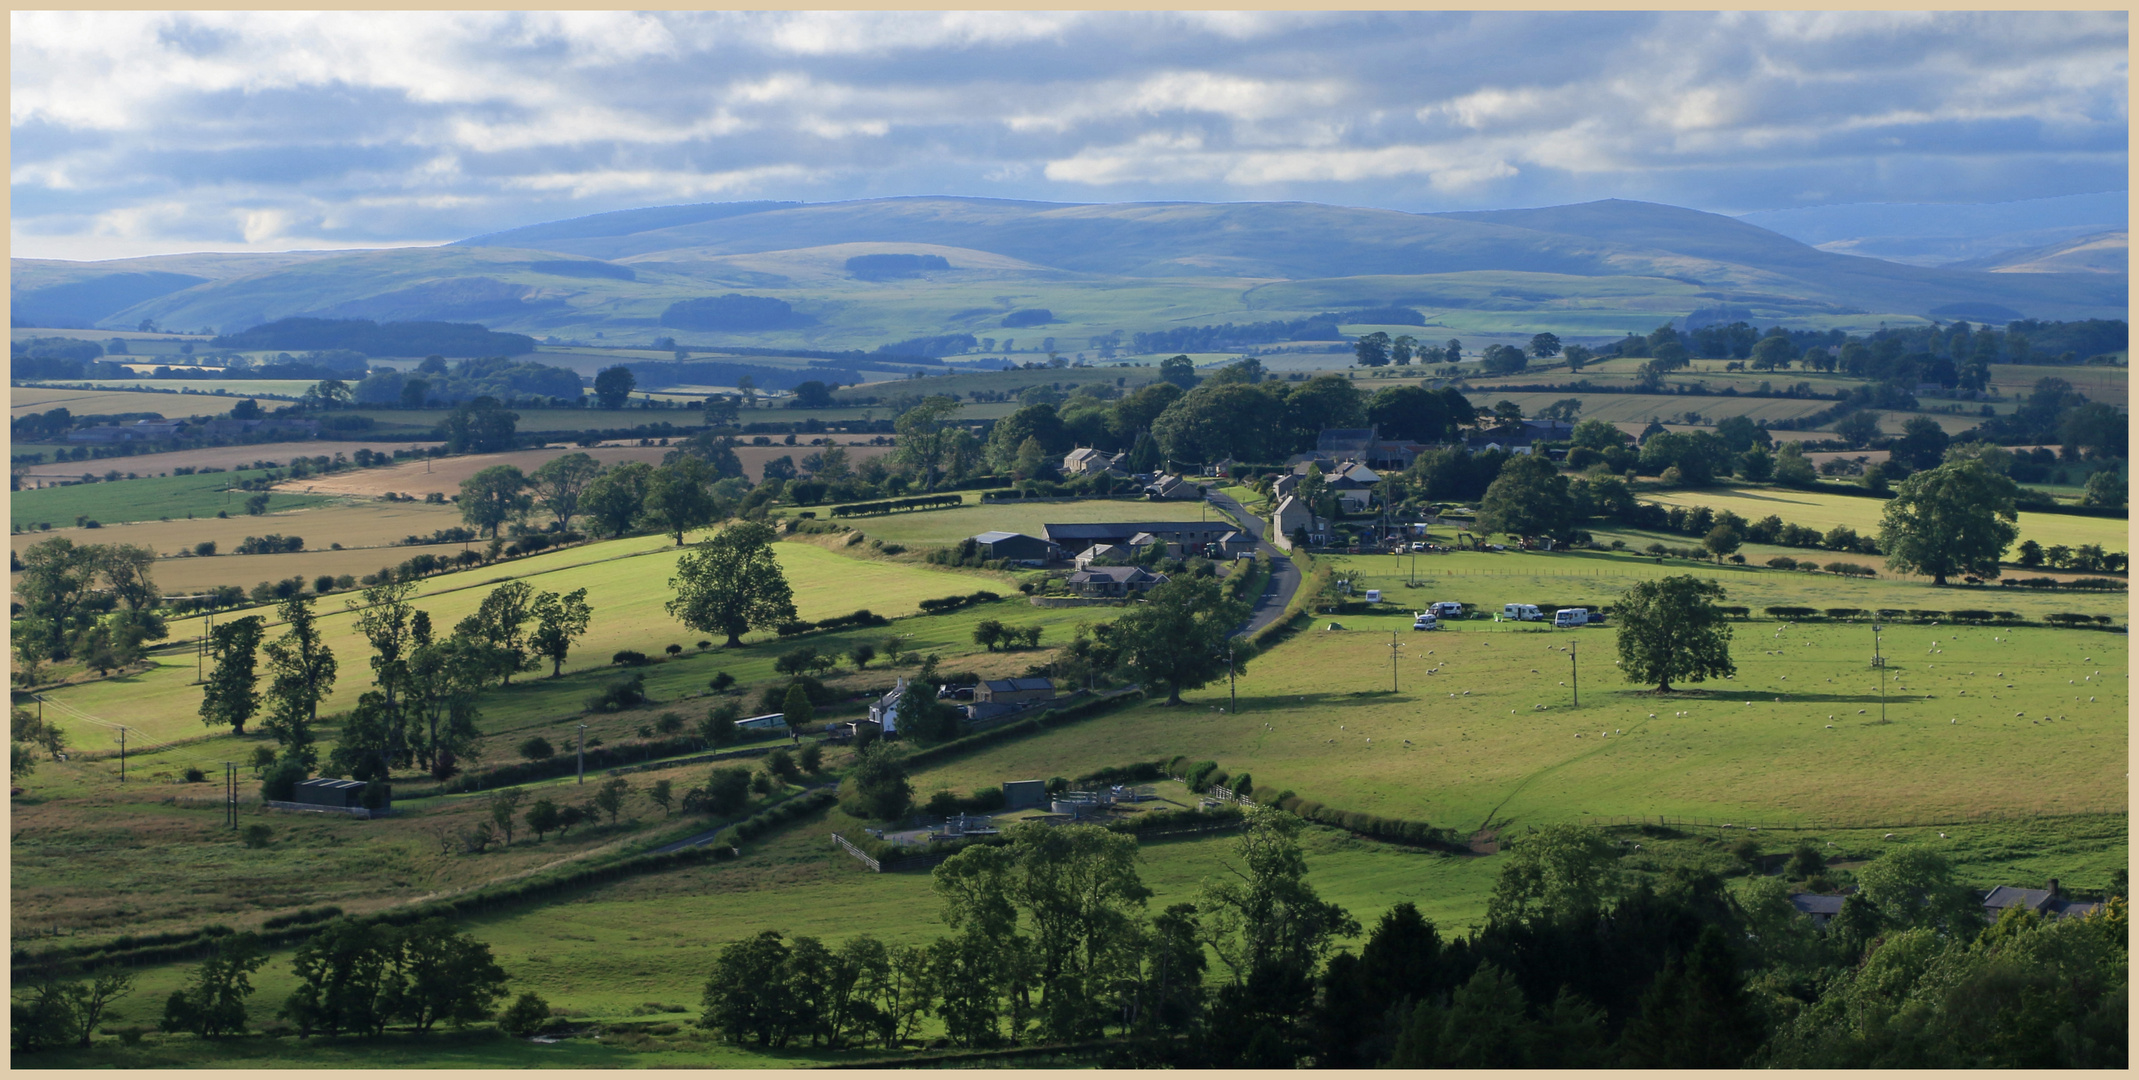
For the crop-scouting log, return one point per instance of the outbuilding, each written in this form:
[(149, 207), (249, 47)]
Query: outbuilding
[(1014, 691)]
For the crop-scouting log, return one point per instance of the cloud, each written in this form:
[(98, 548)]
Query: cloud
[(177, 130)]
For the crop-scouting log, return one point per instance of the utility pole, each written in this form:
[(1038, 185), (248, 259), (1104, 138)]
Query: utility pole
[(230, 794), (1879, 661), (1394, 645), (1231, 687), (1575, 672), (582, 753), (122, 755)]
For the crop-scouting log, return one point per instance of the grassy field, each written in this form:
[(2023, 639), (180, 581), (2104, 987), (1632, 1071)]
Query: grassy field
[(1643, 407), (233, 388), (150, 498), (23, 400), (1823, 511), (626, 583), (1484, 731)]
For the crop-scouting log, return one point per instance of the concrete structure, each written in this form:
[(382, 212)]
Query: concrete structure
[(1014, 691), (1113, 581), (1017, 547), (1024, 794)]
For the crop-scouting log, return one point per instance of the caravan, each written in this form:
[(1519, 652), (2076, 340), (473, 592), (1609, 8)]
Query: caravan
[(1520, 613), (1425, 620)]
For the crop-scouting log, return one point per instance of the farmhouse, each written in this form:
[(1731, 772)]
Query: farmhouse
[(1819, 908), (1292, 516), (1113, 581), (2049, 903), (1362, 445), (1104, 553), (884, 712), (1085, 461), (1172, 487)]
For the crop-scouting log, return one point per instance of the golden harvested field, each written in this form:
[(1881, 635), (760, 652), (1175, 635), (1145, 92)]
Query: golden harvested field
[(2108, 385), (352, 525), (445, 475), (23, 400), (181, 576), (233, 388), (206, 457)]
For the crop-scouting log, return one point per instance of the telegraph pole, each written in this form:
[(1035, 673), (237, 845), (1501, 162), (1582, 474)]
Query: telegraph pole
[(582, 753), (1879, 661), (122, 755), (1394, 645), (1231, 687)]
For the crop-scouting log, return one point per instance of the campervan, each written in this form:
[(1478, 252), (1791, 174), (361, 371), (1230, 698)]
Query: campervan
[(1572, 616), (1446, 609), (1520, 612), (1425, 620)]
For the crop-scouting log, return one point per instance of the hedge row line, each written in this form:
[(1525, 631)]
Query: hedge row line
[(1031, 724), (1205, 775), (1970, 615), (891, 506), (765, 820), (941, 604), (862, 617)]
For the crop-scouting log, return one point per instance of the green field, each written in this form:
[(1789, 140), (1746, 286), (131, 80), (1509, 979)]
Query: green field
[(1823, 511), (150, 498), (626, 583), (233, 388)]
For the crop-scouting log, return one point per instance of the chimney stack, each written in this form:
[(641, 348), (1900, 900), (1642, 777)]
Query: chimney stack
[(2053, 888)]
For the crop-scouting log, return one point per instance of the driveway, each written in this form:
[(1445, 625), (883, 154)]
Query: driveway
[(1284, 576)]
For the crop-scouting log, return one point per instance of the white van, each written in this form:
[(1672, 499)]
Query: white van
[(1446, 609), (1425, 620), (1520, 612), (1373, 596), (1571, 616)]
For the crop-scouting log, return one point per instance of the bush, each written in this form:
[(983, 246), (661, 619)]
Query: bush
[(1850, 569), (1844, 612), (2067, 618), (536, 748), (621, 694), (525, 1016), (1788, 612), (1198, 776), (258, 836), (721, 681), (193, 775), (1783, 562), (280, 783), (629, 658), (303, 918)]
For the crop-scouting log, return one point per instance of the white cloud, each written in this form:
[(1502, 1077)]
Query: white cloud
[(372, 127)]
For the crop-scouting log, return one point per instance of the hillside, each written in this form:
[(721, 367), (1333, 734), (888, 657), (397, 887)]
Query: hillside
[(2102, 253), (1585, 270)]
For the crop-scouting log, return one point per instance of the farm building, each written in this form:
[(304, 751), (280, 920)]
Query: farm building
[(339, 794), (1816, 906), (1081, 535), (1173, 487), (2049, 903), (1014, 691), (884, 712), (1103, 553), (1024, 794), (767, 722), (1017, 547), (1085, 461)]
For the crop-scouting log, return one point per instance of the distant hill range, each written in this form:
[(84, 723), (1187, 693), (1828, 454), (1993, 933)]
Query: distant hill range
[(860, 274)]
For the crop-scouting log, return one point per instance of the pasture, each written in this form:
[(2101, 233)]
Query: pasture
[(369, 524), (150, 498), (1483, 732), (627, 585), (23, 400), (1825, 510), (234, 389)]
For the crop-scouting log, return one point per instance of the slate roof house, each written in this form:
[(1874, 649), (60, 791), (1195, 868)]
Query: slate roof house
[(1014, 691), (1291, 516), (1017, 547), (2049, 902), (1085, 461), (1113, 581)]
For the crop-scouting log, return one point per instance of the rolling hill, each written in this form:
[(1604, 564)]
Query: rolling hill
[(1592, 269), (2102, 253)]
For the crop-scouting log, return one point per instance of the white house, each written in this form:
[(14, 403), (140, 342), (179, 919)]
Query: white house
[(886, 709), (1291, 516)]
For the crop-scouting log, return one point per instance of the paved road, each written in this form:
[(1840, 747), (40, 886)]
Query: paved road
[(1284, 576)]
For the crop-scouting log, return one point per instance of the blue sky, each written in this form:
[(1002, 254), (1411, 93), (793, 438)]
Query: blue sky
[(149, 132)]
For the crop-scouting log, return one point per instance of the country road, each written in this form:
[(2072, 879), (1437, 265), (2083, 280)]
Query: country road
[(1284, 576)]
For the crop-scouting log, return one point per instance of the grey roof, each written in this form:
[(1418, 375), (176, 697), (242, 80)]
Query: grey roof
[(2038, 900), (1117, 530), (1012, 686), (1116, 574), (1816, 904), (997, 536), (329, 784)]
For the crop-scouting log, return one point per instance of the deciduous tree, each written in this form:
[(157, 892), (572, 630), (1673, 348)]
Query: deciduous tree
[(732, 583), (1672, 629)]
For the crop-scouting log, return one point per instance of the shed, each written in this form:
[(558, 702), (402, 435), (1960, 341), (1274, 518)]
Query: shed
[(1013, 691), (1017, 547), (1024, 794), (341, 794), (1818, 907), (767, 722)]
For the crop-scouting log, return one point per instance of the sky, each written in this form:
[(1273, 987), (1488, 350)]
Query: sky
[(137, 133)]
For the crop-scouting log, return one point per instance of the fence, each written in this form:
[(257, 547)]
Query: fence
[(867, 859), (1748, 824)]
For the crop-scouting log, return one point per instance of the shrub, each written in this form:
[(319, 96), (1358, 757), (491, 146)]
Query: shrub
[(1971, 615), (1790, 612), (536, 748), (258, 836), (280, 783), (1783, 562), (1850, 569), (1198, 776), (525, 1016), (721, 681), (1844, 612), (628, 658), (2067, 618), (669, 723), (193, 775), (621, 694)]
